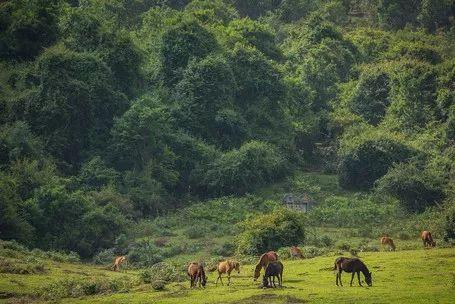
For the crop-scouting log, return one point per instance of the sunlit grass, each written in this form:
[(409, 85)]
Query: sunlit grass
[(417, 276)]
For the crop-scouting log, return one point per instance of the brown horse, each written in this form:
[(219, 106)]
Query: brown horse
[(264, 260), (197, 275), (427, 239), (227, 267), (387, 241), (118, 261), (296, 252), (352, 265)]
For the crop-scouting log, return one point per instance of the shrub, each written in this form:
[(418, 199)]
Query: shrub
[(271, 231), (449, 224), (309, 252), (104, 257), (159, 272), (78, 287), (351, 212), (10, 266), (158, 285), (362, 166), (371, 96), (415, 187), (144, 253), (253, 165), (342, 245), (224, 250), (195, 232)]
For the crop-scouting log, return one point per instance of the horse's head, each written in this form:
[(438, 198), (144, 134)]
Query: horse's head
[(368, 279), (433, 244), (257, 272)]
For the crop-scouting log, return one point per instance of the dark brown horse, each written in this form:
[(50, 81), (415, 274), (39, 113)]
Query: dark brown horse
[(352, 265), (196, 273), (273, 270), (264, 260), (387, 241), (427, 239)]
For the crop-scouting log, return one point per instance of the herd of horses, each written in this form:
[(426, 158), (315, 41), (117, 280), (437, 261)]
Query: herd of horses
[(273, 268)]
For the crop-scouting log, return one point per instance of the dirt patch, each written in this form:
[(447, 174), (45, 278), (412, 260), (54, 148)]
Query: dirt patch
[(271, 298)]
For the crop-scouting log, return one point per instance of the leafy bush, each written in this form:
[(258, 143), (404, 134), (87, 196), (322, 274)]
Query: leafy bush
[(16, 267), (158, 285), (371, 96), (309, 252), (144, 253), (160, 272), (104, 257), (449, 225), (224, 250), (78, 287), (351, 212), (253, 165), (195, 232), (271, 231), (415, 187), (362, 166)]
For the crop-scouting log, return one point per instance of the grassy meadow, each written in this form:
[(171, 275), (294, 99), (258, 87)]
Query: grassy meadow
[(408, 276)]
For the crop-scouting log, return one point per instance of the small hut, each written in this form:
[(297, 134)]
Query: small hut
[(301, 202)]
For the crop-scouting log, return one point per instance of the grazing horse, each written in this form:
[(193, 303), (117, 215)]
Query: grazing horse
[(427, 239), (196, 273), (296, 252), (274, 269), (118, 261), (264, 260), (352, 265), (386, 240), (227, 267)]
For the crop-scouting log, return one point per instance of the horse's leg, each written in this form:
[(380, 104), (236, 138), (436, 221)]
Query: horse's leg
[(336, 278), (274, 285), (219, 276), (339, 274), (352, 278), (358, 277)]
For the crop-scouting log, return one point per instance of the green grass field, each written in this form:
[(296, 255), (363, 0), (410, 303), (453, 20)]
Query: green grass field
[(414, 276)]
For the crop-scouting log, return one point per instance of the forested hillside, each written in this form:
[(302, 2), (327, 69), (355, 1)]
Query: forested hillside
[(115, 112)]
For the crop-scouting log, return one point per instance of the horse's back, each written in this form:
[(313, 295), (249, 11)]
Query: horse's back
[(223, 267), (193, 268), (426, 235)]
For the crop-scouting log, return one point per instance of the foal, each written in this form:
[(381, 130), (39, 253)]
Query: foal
[(352, 265), (274, 269)]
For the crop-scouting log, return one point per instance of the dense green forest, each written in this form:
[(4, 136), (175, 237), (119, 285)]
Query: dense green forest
[(113, 113)]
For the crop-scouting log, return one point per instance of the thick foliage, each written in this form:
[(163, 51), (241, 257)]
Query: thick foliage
[(253, 165), (271, 231), (414, 187), (361, 167)]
